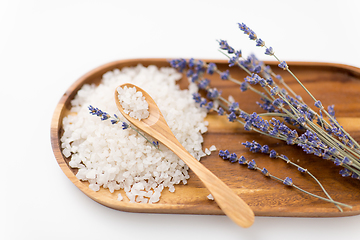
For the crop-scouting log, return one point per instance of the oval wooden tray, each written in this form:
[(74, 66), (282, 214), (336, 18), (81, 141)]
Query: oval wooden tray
[(331, 83)]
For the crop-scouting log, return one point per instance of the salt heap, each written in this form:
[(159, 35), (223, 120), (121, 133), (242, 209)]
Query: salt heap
[(133, 102), (109, 157)]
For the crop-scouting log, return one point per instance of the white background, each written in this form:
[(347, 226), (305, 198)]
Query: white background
[(46, 45)]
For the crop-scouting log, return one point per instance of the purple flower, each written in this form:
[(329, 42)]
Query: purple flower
[(262, 82), (270, 81), (273, 154), (225, 46), (327, 154), (156, 144), (238, 53), (242, 26), (257, 69), (209, 106), (234, 106), (203, 84), (347, 161), (301, 119), (248, 125), (93, 110), (247, 31), (275, 91), (265, 149), (253, 146), (203, 102), (354, 175), (233, 61), (260, 43), (345, 172), (265, 172), (283, 65), (189, 73), (244, 86), (252, 35), (213, 93), (269, 51), (197, 97), (115, 120), (224, 75), (178, 64), (125, 125), (302, 169), (278, 102), (192, 62), (211, 68), (331, 110), (194, 77), (224, 154), (233, 157), (242, 160), (288, 181), (318, 104), (199, 66), (247, 144), (99, 113), (267, 105), (220, 111), (232, 117), (252, 165), (254, 79)]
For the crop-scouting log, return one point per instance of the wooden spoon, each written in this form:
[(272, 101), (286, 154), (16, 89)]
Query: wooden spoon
[(155, 125)]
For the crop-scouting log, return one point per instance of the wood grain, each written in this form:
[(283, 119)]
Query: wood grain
[(331, 83)]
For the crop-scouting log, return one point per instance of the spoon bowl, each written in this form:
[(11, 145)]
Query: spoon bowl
[(155, 125)]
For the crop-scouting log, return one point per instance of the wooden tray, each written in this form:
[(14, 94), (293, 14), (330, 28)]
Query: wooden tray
[(331, 83)]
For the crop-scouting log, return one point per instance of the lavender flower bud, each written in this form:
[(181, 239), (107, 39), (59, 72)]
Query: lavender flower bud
[(269, 51), (242, 160), (288, 181), (252, 165), (283, 65)]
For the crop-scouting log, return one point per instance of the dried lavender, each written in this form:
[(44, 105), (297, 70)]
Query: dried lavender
[(115, 120), (310, 131), (257, 148), (287, 181)]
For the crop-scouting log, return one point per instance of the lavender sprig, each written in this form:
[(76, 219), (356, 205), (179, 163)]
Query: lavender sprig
[(256, 147), (224, 154), (115, 120)]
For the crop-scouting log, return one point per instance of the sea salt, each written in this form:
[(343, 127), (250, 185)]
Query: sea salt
[(210, 197), (133, 102), (109, 157), (207, 151), (212, 148), (120, 197)]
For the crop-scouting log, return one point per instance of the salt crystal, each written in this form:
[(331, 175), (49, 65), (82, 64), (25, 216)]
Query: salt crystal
[(231, 99), (133, 102), (207, 151), (212, 148), (94, 187), (120, 197)]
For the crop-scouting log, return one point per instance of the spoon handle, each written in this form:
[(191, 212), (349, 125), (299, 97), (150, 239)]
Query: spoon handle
[(230, 203), (155, 125)]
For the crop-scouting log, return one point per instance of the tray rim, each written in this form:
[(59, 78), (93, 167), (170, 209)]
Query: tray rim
[(169, 208)]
